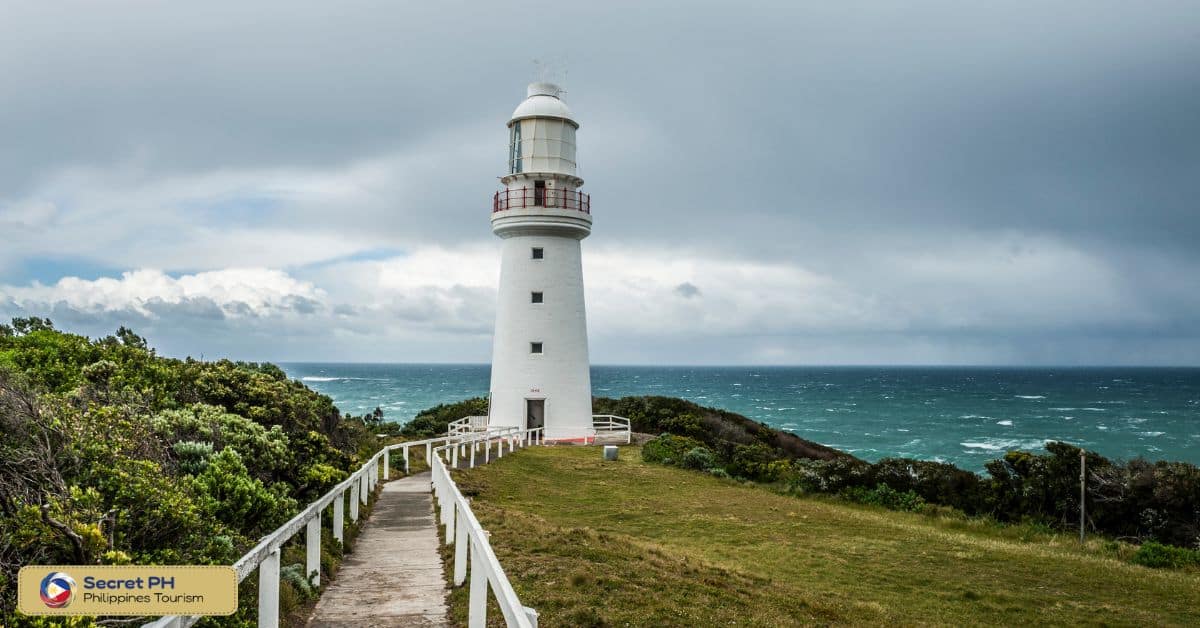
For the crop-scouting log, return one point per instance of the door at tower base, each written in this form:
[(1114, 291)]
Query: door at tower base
[(535, 413)]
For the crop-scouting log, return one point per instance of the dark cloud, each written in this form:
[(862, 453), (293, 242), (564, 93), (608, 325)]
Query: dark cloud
[(874, 147), (687, 290)]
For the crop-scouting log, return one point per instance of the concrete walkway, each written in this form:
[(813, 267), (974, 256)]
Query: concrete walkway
[(394, 575)]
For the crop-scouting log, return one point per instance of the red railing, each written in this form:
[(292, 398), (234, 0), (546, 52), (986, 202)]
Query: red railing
[(541, 197)]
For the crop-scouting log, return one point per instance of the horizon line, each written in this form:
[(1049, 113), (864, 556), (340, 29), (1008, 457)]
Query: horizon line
[(768, 366)]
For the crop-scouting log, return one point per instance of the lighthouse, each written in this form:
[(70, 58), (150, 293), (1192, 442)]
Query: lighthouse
[(540, 371)]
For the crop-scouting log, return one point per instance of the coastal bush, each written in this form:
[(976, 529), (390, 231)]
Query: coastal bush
[(436, 420), (719, 430), (1153, 554), (669, 449), (112, 454), (192, 456), (886, 496), (698, 458), (1136, 500), (241, 501)]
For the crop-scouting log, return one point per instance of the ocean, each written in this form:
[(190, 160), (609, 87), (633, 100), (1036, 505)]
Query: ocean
[(965, 416)]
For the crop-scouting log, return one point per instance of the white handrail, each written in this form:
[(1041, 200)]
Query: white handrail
[(468, 537), (613, 423), (468, 424), (265, 555)]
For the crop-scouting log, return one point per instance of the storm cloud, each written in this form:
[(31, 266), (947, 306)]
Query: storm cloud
[(808, 183)]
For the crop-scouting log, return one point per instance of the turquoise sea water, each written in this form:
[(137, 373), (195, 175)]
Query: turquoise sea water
[(966, 416)]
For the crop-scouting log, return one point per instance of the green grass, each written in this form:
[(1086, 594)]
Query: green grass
[(589, 543)]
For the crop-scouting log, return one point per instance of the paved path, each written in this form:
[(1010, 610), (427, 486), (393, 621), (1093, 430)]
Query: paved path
[(394, 575)]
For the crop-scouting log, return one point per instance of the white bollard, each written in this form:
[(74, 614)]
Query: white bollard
[(268, 591), (354, 501), (406, 459), (312, 550), (387, 464)]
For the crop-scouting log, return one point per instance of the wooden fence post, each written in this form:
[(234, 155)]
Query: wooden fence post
[(339, 509), (268, 591), (312, 550), (477, 613)]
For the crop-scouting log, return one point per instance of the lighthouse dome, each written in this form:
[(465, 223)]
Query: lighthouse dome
[(541, 134), (543, 100)]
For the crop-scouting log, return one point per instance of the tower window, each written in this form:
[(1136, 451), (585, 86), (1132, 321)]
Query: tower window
[(539, 193), (514, 149), (535, 347), (535, 297), (538, 253)]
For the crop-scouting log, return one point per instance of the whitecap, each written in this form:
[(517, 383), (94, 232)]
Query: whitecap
[(1151, 434), (1003, 444), (987, 446), (312, 378), (1004, 423), (1030, 396)]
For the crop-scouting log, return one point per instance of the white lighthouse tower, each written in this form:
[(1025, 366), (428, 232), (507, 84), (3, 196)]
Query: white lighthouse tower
[(540, 371)]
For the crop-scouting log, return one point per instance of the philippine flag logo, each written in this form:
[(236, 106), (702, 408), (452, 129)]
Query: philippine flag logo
[(57, 589)]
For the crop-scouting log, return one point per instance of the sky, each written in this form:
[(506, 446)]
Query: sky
[(940, 182)]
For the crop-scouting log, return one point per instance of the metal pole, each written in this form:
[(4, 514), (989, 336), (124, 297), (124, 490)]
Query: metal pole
[(1082, 489)]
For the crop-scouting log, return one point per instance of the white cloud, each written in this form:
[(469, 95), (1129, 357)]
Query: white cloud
[(970, 301), (238, 292)]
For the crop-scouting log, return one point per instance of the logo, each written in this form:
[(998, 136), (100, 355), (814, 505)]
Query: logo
[(57, 589)]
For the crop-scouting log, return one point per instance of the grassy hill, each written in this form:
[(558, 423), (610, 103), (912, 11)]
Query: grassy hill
[(639, 544)]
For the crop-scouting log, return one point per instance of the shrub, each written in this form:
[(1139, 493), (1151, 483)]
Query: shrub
[(668, 449), (239, 500), (886, 496), (192, 456), (699, 458), (753, 462), (1153, 554)]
